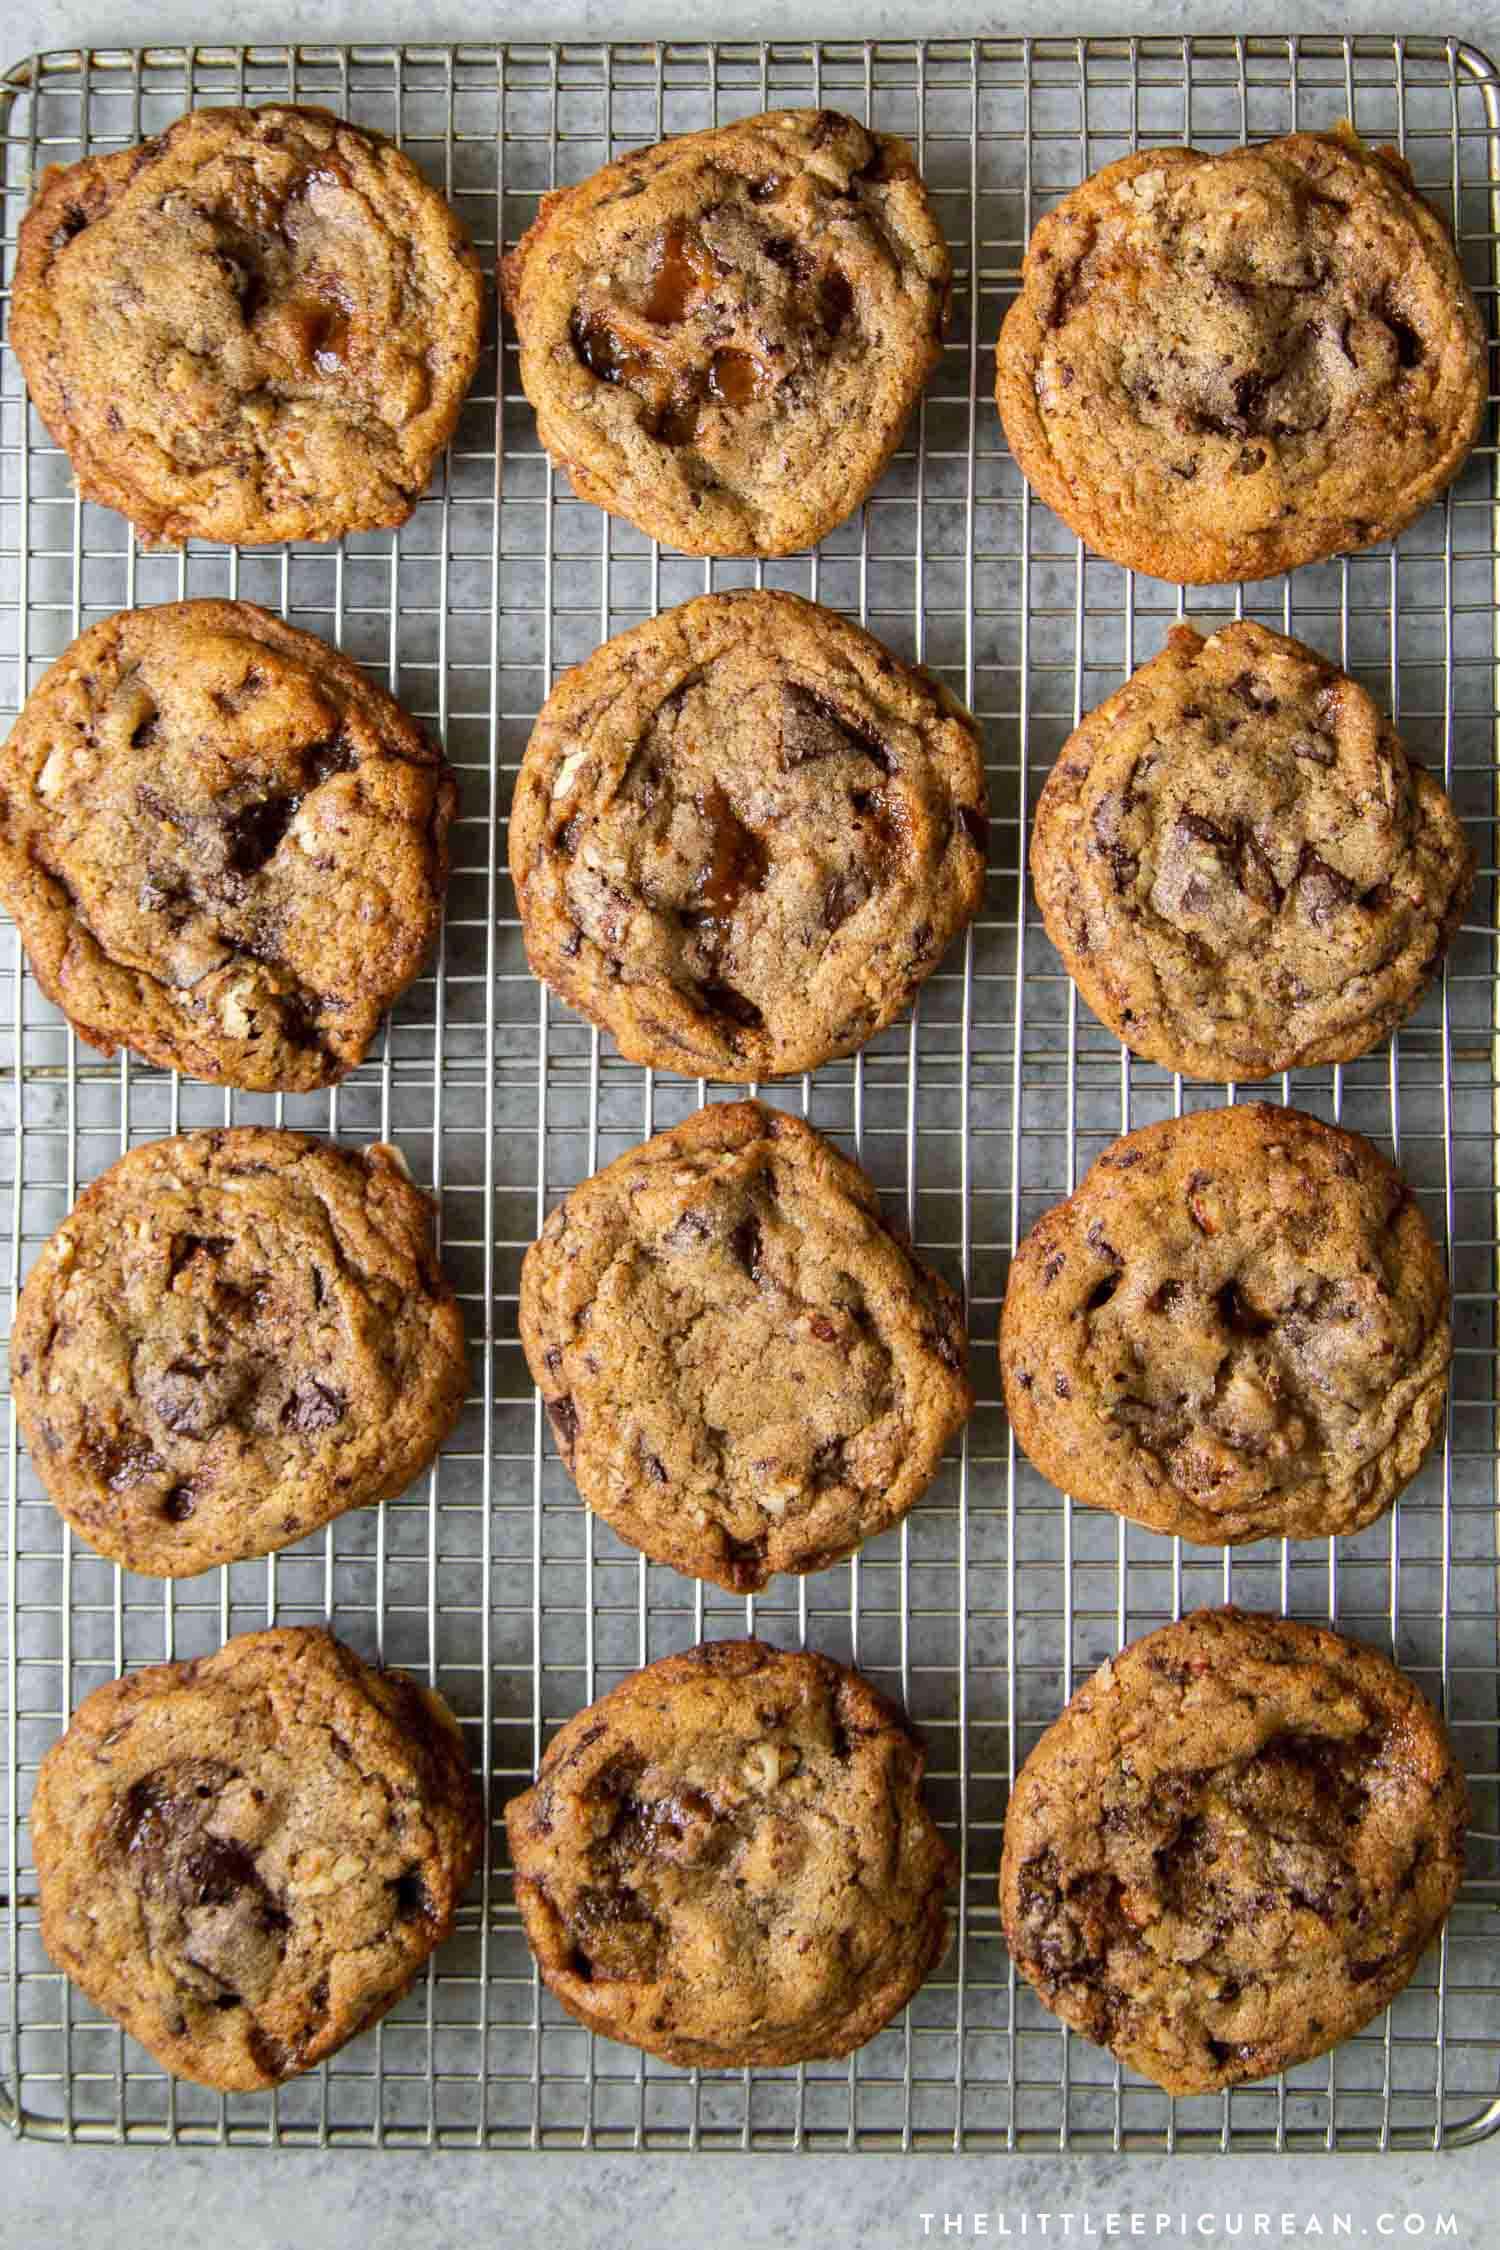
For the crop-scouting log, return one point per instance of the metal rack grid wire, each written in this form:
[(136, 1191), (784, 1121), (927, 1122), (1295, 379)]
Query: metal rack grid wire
[(996, 1597)]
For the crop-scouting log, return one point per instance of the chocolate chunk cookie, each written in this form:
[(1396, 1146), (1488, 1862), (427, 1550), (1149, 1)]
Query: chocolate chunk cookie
[(247, 1859), (1241, 867), (1232, 1849), (728, 1860), (743, 834), (745, 1367), (724, 336), (223, 846), (1236, 1329), (1220, 367), (259, 326), (232, 1338)]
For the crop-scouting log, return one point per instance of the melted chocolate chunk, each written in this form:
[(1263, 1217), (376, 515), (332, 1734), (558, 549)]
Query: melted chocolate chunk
[(1238, 1315), (563, 1415), (835, 300), (812, 726), (976, 826), (1321, 889), (844, 894), (179, 1504), (1410, 349), (746, 1559), (127, 1461), (414, 1902), (160, 1827), (747, 1244), (723, 1000), (276, 2058), (253, 833), (187, 1247), (313, 1407), (600, 348), (829, 1465), (325, 759), (74, 220), (193, 1398), (882, 828)]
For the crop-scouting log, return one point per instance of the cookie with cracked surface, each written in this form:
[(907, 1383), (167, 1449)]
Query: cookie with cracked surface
[(743, 834), (724, 336), (259, 326), (1222, 367), (1232, 1849), (745, 1367), (1237, 1328), (223, 845), (233, 1337), (728, 1860), (1241, 866), (246, 1859)]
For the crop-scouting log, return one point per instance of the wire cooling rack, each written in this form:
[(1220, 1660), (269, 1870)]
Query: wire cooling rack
[(996, 1597)]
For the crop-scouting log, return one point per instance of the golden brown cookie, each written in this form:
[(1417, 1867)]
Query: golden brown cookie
[(246, 1859), (258, 326), (743, 834), (1241, 866), (724, 336), (1232, 1849), (224, 847), (1221, 367), (1236, 1328), (728, 1860), (746, 1368), (233, 1337)]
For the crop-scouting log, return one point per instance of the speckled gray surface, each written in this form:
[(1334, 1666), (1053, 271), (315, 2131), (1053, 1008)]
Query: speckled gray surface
[(83, 2199)]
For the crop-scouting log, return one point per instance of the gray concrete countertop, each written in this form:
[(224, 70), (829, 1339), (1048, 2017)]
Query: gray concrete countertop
[(83, 2199)]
